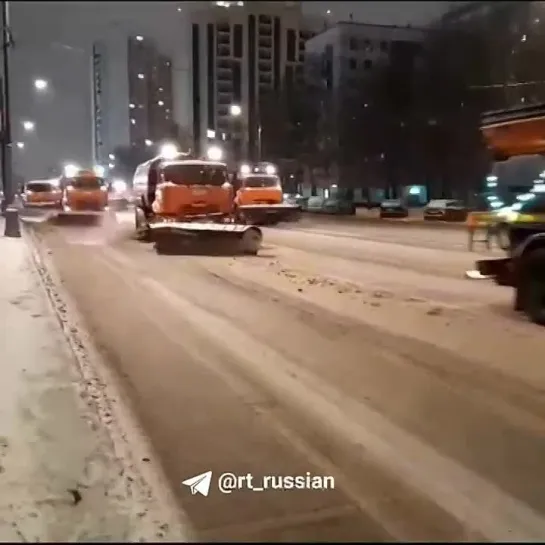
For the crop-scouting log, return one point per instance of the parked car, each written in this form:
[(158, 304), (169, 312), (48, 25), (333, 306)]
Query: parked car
[(445, 210), (321, 205), (393, 208), (297, 199)]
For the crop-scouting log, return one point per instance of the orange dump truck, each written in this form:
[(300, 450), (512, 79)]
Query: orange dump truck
[(183, 196), (42, 194), (259, 198), (84, 193)]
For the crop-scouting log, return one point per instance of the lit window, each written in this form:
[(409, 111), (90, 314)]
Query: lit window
[(139, 38), (523, 39), (167, 111), (141, 76), (160, 103), (133, 121), (132, 106), (167, 63)]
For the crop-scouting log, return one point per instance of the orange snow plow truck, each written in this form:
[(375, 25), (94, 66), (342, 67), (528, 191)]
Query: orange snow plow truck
[(42, 194), (513, 133), (182, 198), (84, 198), (259, 197)]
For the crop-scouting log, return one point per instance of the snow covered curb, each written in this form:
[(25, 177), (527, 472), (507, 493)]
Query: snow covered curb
[(133, 479)]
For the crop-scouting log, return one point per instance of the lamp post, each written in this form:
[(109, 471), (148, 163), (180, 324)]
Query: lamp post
[(11, 228)]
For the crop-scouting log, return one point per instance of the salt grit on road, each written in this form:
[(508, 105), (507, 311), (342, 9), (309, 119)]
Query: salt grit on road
[(370, 360)]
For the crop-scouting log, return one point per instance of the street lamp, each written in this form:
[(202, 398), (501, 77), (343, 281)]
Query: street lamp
[(235, 110), (28, 126), (41, 84), (148, 142), (214, 153), (169, 151), (20, 145), (11, 226), (70, 170)]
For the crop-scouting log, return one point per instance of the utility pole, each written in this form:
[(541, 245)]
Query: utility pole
[(11, 228)]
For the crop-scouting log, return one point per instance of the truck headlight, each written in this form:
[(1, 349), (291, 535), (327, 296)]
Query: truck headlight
[(119, 186)]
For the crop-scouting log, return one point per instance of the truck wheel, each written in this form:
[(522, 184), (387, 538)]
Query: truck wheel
[(531, 286), (502, 236), (141, 226), (251, 241), (519, 298)]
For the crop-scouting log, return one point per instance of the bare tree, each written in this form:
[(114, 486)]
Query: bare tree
[(289, 122), (448, 109), (376, 123)]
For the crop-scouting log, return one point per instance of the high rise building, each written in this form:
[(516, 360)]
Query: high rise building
[(340, 62), (512, 35), (239, 52), (132, 95)]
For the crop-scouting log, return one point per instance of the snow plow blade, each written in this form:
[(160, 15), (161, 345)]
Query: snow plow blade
[(270, 214), (207, 238), (80, 217), (498, 270)]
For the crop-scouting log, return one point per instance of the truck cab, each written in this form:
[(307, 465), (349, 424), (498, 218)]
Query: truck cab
[(259, 196), (84, 192), (183, 188)]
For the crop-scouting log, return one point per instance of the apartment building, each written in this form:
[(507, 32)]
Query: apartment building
[(349, 50), (239, 52), (132, 95), (513, 35), (338, 61)]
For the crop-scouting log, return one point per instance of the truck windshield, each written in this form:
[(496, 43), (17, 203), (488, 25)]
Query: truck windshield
[(87, 182), (533, 206), (260, 181), (191, 174), (40, 187)]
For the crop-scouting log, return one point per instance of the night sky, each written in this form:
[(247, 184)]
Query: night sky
[(53, 42)]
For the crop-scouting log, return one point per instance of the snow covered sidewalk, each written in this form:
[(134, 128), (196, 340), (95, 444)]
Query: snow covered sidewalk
[(62, 477)]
